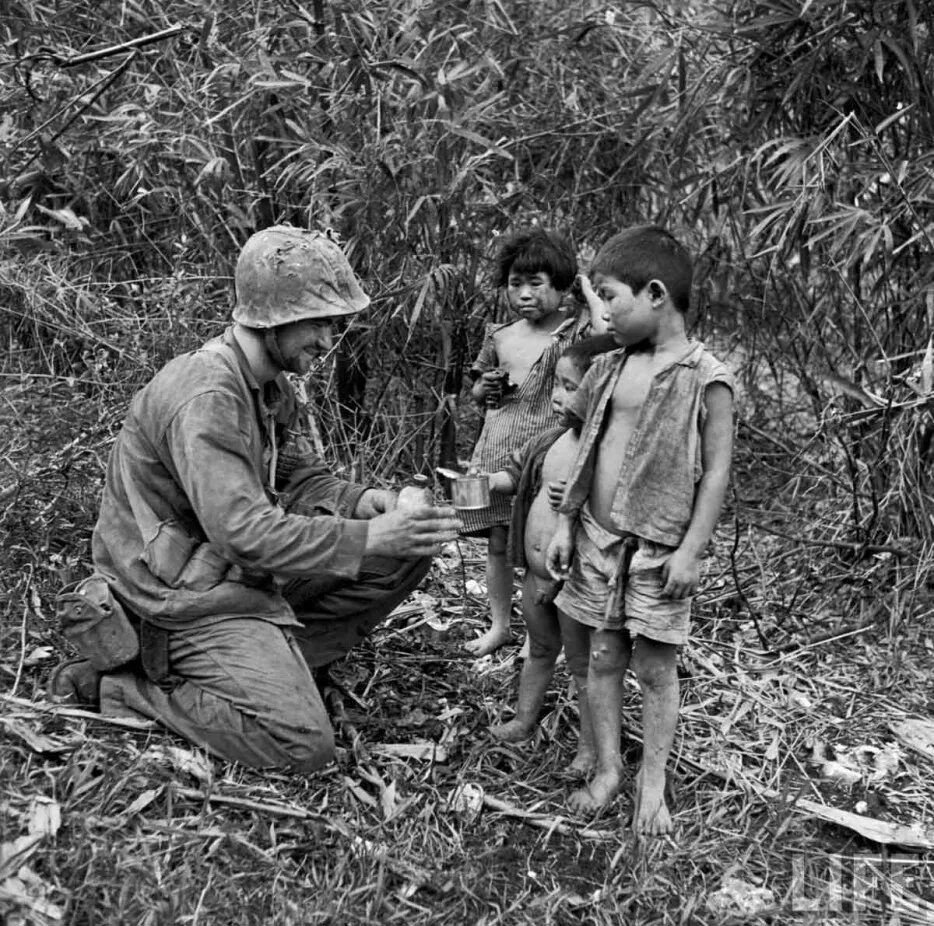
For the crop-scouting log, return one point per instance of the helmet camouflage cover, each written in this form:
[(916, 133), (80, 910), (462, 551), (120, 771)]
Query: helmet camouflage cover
[(285, 274)]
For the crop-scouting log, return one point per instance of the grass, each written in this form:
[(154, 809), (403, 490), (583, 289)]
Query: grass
[(132, 826), (813, 634), (808, 649)]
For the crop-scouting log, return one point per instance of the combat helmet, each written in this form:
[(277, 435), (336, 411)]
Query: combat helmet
[(285, 274)]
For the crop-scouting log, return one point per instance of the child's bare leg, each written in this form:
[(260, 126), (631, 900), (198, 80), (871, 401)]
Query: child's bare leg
[(544, 645), (576, 639), (499, 575), (545, 594), (655, 666), (609, 658), (586, 756), (525, 649)]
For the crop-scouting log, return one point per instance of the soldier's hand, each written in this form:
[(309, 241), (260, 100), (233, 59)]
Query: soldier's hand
[(408, 533), (375, 501)]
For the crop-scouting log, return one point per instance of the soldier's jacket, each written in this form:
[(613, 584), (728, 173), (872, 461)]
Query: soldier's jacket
[(192, 529)]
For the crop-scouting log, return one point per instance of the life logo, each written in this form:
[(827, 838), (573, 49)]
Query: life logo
[(890, 889)]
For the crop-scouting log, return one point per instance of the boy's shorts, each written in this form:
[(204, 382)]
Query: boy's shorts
[(590, 593)]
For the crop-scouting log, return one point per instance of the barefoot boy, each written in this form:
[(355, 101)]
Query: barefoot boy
[(642, 500), (537, 477)]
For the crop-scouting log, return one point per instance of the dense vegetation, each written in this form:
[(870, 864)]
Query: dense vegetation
[(790, 143)]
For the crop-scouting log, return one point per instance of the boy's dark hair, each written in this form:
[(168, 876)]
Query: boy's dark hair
[(582, 353), (535, 250), (644, 253)]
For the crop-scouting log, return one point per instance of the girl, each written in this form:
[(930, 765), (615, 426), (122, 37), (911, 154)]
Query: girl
[(513, 376)]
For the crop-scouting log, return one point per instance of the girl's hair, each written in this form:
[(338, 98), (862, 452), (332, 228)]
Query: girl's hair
[(535, 250), (582, 353), (644, 253)]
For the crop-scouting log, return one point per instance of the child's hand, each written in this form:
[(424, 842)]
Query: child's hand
[(681, 573), (488, 388), (555, 492), (491, 382), (501, 482), (560, 550)]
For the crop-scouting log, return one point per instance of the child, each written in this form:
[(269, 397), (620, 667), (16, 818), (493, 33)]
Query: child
[(537, 268), (642, 500), (537, 479)]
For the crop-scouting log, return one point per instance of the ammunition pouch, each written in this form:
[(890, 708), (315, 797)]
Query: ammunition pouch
[(96, 624)]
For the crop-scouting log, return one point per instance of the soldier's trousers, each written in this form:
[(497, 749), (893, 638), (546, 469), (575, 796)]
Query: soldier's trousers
[(243, 689)]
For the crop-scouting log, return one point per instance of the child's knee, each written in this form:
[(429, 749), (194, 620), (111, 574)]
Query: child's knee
[(654, 664), (607, 654), (544, 646), (577, 656)]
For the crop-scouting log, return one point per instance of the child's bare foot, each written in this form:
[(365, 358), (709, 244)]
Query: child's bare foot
[(596, 795), (512, 732), (492, 640), (650, 813)]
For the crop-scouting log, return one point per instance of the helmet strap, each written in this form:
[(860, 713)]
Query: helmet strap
[(271, 340)]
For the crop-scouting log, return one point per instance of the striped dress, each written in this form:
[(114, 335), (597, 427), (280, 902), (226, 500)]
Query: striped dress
[(522, 414)]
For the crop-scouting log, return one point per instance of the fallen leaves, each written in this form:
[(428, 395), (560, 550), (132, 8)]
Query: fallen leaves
[(864, 763), (917, 735), (736, 897), (24, 896)]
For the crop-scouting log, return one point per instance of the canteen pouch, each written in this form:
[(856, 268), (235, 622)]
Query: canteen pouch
[(96, 624)]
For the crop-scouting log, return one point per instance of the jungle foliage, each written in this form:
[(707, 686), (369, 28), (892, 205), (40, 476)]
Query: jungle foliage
[(789, 143)]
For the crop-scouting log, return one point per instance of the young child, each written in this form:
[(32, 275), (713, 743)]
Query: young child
[(536, 477), (641, 503), (536, 267)]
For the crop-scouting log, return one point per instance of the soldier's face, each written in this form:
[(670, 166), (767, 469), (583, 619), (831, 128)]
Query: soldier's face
[(301, 343)]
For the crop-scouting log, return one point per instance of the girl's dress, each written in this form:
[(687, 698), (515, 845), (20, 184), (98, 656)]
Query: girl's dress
[(522, 414)]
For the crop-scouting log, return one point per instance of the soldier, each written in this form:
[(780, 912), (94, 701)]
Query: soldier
[(239, 561)]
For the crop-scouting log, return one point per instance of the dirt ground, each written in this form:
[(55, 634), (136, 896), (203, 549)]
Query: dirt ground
[(801, 771)]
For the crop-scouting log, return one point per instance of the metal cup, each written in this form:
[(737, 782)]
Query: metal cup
[(471, 492)]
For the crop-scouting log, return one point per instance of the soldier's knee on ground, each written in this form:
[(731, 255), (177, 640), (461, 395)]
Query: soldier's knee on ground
[(308, 752)]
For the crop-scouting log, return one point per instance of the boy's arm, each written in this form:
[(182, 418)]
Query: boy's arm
[(575, 412), (484, 371), (682, 571), (598, 324), (561, 549)]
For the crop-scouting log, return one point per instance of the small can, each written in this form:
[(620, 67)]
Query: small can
[(416, 493)]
